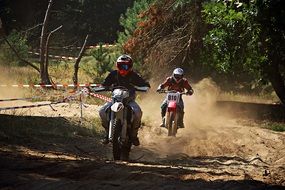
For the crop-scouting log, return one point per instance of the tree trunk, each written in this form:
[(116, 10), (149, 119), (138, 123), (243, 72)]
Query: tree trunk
[(2, 31), (76, 65), (271, 69), (45, 73), (44, 76), (275, 76)]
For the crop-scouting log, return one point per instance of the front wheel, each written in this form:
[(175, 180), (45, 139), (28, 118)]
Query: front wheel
[(121, 150), (171, 123)]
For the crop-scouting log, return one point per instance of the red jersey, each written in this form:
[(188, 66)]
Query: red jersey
[(179, 86)]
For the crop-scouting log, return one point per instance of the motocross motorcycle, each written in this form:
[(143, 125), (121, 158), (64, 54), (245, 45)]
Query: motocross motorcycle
[(120, 120), (172, 112)]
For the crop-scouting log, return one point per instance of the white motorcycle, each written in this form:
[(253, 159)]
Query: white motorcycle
[(120, 121)]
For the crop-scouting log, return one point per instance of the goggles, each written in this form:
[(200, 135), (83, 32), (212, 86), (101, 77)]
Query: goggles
[(178, 76), (124, 67)]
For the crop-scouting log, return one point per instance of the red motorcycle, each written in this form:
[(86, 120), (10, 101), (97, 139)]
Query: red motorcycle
[(172, 114)]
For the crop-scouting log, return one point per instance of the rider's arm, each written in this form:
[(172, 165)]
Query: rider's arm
[(165, 83), (188, 87), (139, 81), (109, 80)]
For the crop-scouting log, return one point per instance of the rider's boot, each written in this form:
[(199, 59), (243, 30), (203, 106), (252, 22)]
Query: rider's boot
[(104, 121), (163, 122), (134, 137), (163, 119), (105, 140)]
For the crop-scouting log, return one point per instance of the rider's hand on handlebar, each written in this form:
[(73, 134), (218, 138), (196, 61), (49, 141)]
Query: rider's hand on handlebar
[(159, 90), (189, 92), (86, 89)]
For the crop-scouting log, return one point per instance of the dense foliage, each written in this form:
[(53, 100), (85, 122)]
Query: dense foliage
[(248, 37), (233, 41)]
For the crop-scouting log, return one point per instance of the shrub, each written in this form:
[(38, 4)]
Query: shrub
[(7, 56)]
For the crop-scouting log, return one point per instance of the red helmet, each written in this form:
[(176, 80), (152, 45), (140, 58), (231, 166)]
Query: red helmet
[(124, 64)]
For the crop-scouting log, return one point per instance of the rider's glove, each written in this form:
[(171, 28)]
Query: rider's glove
[(158, 89), (147, 84), (190, 92), (86, 89)]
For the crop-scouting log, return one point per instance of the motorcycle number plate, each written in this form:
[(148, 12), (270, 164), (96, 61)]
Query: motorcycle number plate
[(173, 97)]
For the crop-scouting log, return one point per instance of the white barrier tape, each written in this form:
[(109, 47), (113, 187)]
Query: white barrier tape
[(105, 98), (97, 46), (87, 47), (48, 85), (55, 56)]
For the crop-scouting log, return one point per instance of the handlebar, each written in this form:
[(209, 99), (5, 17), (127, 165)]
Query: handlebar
[(110, 88), (172, 91), (141, 88)]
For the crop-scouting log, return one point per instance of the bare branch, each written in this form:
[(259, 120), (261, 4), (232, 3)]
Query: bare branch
[(187, 45), (76, 65), (43, 35), (47, 44), (32, 28), (23, 60), (43, 68), (187, 49)]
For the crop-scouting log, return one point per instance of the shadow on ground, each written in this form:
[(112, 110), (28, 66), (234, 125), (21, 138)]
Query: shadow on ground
[(54, 153)]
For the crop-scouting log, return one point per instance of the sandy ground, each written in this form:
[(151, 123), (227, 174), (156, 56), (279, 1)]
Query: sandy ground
[(214, 151)]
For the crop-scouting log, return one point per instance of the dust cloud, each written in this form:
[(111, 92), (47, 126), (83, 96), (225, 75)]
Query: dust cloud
[(204, 124), (7, 77)]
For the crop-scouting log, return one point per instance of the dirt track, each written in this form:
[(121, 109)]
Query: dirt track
[(47, 150), (56, 154)]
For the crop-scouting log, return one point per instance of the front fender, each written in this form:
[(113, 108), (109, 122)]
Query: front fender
[(172, 105), (117, 106)]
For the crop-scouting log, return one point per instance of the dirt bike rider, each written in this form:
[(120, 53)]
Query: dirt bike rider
[(126, 77), (178, 83)]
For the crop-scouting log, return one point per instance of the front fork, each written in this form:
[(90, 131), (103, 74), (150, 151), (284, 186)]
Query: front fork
[(121, 117), (111, 124)]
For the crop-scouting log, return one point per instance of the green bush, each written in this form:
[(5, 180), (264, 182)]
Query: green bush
[(99, 62), (280, 127)]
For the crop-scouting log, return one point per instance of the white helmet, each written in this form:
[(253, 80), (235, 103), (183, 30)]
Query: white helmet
[(178, 74)]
